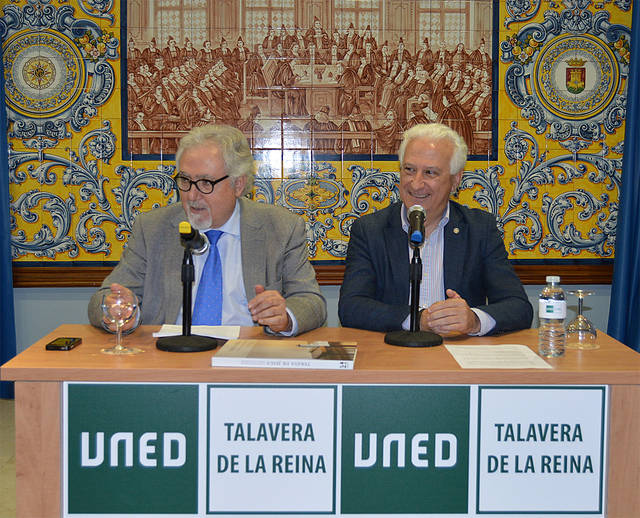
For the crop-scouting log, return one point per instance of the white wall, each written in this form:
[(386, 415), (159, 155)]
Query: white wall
[(40, 310)]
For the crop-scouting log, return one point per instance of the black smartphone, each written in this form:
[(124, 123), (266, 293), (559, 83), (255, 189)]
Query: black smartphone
[(63, 343)]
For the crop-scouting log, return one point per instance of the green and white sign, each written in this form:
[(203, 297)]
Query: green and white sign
[(131, 449), (242, 450), (405, 449), (541, 450), (271, 449)]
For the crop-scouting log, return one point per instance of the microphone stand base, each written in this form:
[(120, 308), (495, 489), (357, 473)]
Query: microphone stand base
[(187, 344), (412, 338)]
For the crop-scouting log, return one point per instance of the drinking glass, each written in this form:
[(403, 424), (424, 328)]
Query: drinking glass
[(581, 334), (119, 309)]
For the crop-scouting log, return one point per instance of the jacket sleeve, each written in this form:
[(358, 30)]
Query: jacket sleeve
[(506, 300), (299, 285), (130, 272), (368, 298)]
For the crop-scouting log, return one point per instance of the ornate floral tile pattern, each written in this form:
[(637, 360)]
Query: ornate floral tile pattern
[(98, 92)]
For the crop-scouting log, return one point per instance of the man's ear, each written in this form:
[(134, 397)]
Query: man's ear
[(239, 184), (456, 181)]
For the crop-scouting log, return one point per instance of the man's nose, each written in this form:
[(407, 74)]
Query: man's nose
[(192, 194), (419, 179)]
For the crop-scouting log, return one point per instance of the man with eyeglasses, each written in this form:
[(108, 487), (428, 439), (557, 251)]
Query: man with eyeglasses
[(258, 250)]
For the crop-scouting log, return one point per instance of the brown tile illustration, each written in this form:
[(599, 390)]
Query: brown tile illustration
[(289, 76)]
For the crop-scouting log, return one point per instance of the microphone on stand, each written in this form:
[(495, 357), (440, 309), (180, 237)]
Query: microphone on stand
[(416, 217), (191, 239), (414, 337), (194, 243)]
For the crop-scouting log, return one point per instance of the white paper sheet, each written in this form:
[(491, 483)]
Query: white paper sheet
[(506, 356), (227, 332)]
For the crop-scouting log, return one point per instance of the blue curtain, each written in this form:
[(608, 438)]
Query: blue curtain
[(7, 321), (624, 312)]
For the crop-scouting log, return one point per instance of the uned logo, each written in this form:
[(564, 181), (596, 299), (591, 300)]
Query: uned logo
[(138, 443), (408, 445), (121, 444), (445, 455)]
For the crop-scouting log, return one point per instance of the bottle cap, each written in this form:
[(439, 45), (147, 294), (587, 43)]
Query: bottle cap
[(553, 278)]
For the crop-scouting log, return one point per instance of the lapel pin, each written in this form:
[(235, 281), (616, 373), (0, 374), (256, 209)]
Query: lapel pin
[(456, 230)]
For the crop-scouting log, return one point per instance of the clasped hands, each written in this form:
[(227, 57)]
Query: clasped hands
[(450, 317)]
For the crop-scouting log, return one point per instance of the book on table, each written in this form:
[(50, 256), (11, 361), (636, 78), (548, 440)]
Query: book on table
[(286, 354)]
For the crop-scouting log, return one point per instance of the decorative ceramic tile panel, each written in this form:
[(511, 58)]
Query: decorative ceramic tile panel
[(99, 92)]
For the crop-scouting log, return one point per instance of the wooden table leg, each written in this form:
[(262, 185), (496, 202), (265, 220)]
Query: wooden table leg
[(38, 449)]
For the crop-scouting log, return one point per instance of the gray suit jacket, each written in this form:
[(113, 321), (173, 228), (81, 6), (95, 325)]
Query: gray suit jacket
[(274, 254)]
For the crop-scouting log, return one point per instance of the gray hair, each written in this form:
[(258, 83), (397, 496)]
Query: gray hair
[(437, 131), (238, 160)]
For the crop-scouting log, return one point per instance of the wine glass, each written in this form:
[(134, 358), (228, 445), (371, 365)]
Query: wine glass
[(119, 308), (581, 334)]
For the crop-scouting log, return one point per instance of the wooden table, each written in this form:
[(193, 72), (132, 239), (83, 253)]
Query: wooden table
[(39, 375)]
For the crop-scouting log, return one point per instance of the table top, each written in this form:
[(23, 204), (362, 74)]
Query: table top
[(613, 363)]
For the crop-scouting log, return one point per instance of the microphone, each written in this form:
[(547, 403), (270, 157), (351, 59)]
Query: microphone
[(192, 240), (414, 337), (416, 217)]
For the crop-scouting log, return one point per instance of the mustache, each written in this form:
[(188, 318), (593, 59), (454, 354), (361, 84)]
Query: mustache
[(196, 205)]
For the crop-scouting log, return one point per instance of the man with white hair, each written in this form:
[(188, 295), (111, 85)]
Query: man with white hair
[(259, 260), (468, 286)]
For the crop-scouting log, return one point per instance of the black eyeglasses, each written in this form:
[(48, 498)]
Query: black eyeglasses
[(204, 185)]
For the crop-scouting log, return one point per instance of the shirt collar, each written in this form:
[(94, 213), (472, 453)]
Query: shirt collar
[(232, 225)]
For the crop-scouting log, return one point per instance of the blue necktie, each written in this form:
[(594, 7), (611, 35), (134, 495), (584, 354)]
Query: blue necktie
[(208, 307)]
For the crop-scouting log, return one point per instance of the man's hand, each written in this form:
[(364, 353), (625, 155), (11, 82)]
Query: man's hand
[(268, 308), (117, 290), (450, 317)]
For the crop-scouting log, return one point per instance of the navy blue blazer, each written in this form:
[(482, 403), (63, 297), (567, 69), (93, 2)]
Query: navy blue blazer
[(375, 291)]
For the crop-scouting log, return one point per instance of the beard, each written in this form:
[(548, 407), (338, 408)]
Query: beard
[(200, 218)]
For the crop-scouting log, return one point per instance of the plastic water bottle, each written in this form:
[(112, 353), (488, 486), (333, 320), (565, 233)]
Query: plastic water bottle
[(552, 310)]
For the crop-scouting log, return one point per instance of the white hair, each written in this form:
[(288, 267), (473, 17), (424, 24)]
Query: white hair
[(436, 131)]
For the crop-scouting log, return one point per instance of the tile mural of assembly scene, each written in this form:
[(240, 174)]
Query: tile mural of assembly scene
[(339, 92)]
